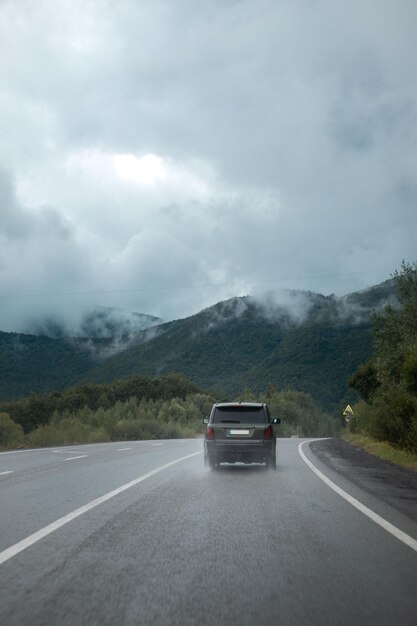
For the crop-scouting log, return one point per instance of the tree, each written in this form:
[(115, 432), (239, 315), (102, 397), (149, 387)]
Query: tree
[(388, 382), (11, 434), (365, 380)]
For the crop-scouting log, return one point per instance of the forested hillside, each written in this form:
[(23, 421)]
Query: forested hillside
[(316, 359), (313, 346), (54, 355), (30, 363), (291, 340)]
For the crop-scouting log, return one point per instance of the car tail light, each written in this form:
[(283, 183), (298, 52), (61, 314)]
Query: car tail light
[(268, 432), (210, 433)]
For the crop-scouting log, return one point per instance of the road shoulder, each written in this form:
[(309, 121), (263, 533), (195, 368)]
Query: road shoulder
[(390, 483)]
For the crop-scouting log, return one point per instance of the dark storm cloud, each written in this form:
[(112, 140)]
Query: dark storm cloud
[(176, 143)]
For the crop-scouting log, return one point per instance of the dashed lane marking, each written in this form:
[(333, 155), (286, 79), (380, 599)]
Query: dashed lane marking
[(72, 458), (6, 472), (62, 521), (66, 451)]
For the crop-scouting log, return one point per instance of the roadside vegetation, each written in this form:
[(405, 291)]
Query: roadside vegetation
[(387, 383), (130, 420), (38, 409), (300, 415), (142, 408), (137, 408), (383, 450)]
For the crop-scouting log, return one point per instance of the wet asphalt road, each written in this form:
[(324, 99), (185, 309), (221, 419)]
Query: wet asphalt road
[(241, 545)]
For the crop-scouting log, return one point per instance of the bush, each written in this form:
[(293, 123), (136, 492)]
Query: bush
[(98, 435), (11, 434), (68, 430), (359, 422), (45, 435), (392, 417), (409, 369)]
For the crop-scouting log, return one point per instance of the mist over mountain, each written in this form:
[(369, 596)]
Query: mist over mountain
[(293, 306), (289, 339), (99, 323)]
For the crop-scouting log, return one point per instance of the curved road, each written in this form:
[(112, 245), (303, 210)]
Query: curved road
[(140, 533)]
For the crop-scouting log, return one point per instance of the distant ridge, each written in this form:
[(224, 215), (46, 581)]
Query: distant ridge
[(102, 322), (289, 339)]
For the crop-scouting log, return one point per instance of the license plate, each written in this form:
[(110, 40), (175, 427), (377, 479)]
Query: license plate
[(241, 431)]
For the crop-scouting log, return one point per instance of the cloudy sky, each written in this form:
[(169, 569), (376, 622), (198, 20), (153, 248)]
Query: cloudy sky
[(162, 155)]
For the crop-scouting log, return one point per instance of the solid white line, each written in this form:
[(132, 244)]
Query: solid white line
[(390, 528), (122, 449), (7, 472), (47, 530), (72, 458)]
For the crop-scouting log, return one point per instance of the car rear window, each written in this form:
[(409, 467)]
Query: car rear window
[(239, 414)]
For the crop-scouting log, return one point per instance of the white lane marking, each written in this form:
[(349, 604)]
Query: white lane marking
[(122, 449), (72, 458), (106, 445), (28, 450), (390, 528), (7, 472), (66, 451), (48, 449), (157, 444), (47, 530)]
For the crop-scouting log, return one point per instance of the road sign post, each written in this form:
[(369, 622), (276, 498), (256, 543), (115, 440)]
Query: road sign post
[(348, 413)]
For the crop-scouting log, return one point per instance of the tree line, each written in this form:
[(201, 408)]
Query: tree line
[(387, 383), (38, 409), (143, 408)]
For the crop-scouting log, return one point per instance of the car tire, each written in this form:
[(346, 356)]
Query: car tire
[(209, 462), (272, 463)]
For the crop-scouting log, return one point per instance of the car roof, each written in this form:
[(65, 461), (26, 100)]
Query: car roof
[(255, 405)]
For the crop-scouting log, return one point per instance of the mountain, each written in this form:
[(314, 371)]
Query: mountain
[(291, 340), (100, 323), (38, 364), (55, 355), (288, 339)]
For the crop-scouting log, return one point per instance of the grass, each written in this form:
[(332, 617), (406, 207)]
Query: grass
[(384, 450)]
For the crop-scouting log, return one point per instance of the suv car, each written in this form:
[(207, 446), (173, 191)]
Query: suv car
[(240, 432)]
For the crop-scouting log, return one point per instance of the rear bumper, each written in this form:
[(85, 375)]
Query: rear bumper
[(240, 451)]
